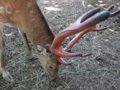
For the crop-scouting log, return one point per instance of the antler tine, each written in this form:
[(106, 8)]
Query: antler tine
[(61, 60), (88, 14), (73, 29), (93, 11), (110, 7), (115, 13), (75, 39)]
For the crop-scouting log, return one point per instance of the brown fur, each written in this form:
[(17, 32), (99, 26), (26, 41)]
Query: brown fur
[(27, 15)]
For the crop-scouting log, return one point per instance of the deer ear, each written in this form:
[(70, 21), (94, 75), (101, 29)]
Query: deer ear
[(39, 48), (45, 48), (42, 50)]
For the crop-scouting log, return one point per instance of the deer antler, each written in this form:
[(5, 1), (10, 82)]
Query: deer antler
[(86, 24), (82, 19), (73, 29)]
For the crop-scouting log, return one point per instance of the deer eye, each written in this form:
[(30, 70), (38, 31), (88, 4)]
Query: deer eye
[(47, 48), (50, 67)]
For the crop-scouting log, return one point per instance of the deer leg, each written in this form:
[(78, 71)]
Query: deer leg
[(6, 75), (27, 46), (3, 71)]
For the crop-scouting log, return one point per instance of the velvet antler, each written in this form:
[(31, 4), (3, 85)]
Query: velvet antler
[(85, 17), (73, 29), (84, 24)]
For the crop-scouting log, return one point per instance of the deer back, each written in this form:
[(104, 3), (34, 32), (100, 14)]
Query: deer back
[(29, 18)]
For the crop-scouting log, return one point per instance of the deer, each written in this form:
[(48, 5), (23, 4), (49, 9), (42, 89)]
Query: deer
[(27, 16)]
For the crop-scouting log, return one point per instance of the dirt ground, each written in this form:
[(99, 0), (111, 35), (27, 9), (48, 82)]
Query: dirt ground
[(100, 71)]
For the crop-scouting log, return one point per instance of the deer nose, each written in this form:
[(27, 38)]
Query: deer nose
[(52, 78)]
